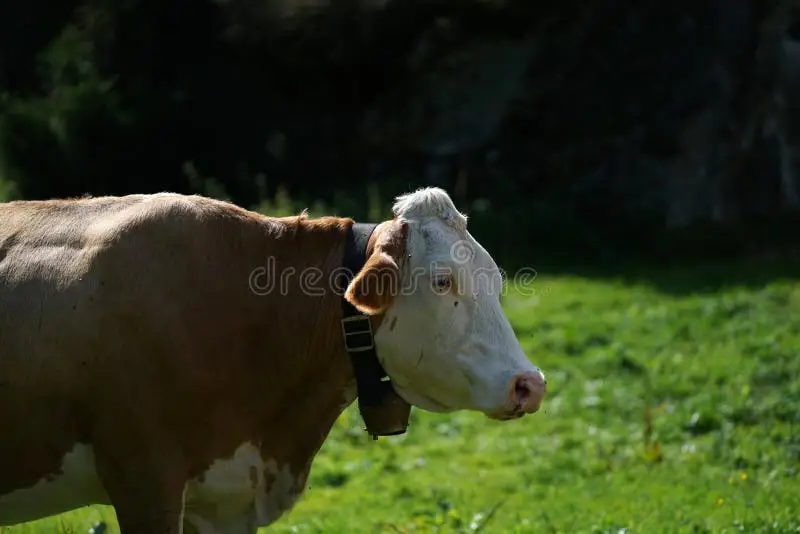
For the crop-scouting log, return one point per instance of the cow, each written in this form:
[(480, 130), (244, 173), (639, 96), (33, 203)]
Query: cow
[(183, 359)]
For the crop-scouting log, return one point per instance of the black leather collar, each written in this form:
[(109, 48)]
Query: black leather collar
[(371, 379)]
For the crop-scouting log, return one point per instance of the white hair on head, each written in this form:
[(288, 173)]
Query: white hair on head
[(429, 202)]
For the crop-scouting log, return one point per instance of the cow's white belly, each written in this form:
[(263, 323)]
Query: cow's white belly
[(75, 486), (236, 495)]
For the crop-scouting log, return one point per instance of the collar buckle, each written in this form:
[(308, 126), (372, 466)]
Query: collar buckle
[(357, 331)]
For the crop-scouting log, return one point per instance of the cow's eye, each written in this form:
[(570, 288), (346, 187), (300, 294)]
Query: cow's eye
[(441, 283)]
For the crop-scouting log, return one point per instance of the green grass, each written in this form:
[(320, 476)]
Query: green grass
[(668, 411)]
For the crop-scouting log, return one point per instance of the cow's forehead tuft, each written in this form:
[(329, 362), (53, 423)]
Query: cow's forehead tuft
[(429, 202)]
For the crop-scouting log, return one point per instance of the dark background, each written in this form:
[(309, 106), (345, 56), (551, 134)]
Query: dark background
[(572, 132)]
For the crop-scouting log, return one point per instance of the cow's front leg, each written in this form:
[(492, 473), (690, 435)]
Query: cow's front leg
[(145, 483)]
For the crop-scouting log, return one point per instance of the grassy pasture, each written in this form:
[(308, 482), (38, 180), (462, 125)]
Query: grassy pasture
[(674, 406)]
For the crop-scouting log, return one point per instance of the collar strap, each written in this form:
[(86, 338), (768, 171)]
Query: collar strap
[(375, 390)]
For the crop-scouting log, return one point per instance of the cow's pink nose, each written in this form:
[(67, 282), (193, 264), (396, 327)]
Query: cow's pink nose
[(527, 391)]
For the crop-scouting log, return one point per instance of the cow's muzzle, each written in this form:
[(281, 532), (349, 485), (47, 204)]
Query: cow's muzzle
[(525, 395)]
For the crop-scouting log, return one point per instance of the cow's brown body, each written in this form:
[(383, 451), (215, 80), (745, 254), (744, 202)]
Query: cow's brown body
[(131, 325)]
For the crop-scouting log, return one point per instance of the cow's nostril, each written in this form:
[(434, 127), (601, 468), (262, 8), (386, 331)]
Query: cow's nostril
[(522, 391)]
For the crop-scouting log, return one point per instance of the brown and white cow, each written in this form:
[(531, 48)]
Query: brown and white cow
[(182, 359)]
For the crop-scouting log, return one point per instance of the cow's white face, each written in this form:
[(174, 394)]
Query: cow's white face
[(445, 340)]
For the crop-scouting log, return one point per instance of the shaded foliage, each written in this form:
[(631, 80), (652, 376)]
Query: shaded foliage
[(590, 117)]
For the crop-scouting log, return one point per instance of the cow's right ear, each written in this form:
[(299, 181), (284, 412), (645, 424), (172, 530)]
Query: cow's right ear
[(373, 289)]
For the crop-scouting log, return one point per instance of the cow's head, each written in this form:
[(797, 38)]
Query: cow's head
[(444, 339)]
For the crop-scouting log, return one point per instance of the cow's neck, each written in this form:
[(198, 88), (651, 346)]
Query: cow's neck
[(315, 381)]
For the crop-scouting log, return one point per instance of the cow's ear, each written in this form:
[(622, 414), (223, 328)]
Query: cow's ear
[(373, 289)]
